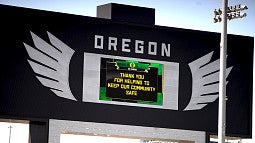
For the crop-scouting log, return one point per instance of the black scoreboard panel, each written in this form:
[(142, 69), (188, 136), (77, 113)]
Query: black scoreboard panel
[(24, 96)]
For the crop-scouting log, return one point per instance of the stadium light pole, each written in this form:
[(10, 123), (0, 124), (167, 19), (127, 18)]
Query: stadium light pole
[(10, 132), (222, 15)]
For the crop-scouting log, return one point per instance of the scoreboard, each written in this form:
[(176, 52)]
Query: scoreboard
[(71, 67)]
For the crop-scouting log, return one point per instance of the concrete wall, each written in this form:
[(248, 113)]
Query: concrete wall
[(56, 127)]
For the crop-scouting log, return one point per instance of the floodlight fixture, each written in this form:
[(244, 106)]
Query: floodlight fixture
[(233, 12)]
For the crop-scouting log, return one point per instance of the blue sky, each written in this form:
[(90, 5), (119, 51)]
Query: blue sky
[(188, 14)]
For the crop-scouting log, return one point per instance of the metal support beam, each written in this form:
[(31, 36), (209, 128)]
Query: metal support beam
[(222, 80)]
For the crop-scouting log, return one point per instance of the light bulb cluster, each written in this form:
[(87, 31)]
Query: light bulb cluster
[(233, 12)]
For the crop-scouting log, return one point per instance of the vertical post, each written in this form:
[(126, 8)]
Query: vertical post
[(10, 133), (222, 77)]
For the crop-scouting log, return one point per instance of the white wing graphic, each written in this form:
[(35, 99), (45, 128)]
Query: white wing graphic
[(51, 63), (205, 81)]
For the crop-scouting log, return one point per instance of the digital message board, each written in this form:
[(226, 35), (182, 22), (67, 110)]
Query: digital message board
[(131, 81)]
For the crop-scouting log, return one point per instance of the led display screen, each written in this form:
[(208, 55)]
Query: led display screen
[(131, 81)]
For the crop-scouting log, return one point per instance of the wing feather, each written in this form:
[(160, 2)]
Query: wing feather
[(45, 71), (209, 68), (52, 62), (66, 50), (50, 83), (45, 47), (40, 57), (205, 82)]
